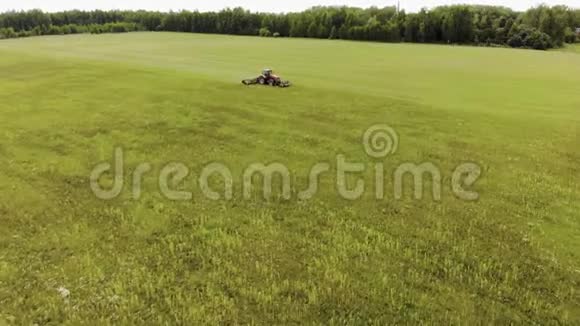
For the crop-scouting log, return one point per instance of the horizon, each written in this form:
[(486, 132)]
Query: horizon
[(267, 6)]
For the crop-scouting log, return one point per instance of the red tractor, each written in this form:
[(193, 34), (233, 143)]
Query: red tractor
[(267, 78)]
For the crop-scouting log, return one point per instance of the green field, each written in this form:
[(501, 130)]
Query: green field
[(66, 103)]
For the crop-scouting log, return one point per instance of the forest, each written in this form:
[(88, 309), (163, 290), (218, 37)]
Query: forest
[(541, 27)]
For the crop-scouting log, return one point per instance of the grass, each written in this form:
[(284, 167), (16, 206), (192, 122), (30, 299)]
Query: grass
[(67, 102)]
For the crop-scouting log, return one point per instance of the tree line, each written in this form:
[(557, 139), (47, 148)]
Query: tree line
[(541, 27)]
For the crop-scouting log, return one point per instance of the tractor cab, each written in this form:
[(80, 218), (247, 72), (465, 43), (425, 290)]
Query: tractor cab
[(267, 73)]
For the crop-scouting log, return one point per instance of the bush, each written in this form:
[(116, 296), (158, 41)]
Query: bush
[(71, 29), (36, 31), (65, 29), (80, 29), (333, 33), (538, 40), (264, 32), (569, 35), (121, 28), (118, 28), (8, 33), (54, 30), (523, 36), (95, 29), (76, 29), (276, 34), (24, 34), (515, 41)]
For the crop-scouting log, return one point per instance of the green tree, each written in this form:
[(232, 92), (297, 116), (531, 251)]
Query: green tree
[(264, 32), (312, 30), (333, 33)]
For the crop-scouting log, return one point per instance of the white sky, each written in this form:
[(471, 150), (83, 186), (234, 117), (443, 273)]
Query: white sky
[(256, 5)]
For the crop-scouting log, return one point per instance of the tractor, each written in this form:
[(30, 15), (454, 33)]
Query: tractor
[(267, 78)]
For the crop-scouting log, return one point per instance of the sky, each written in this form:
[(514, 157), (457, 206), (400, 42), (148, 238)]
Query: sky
[(256, 5)]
